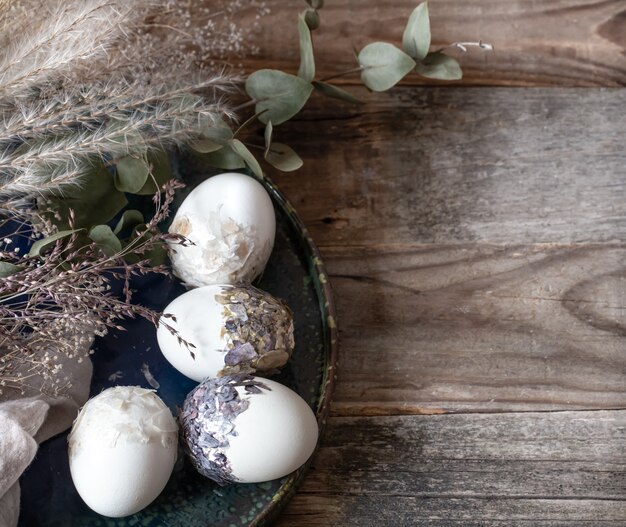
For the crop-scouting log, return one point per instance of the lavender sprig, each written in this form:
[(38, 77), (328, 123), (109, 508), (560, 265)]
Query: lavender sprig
[(57, 301)]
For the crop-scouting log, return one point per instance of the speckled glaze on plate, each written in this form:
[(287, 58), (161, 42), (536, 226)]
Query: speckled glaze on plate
[(294, 273)]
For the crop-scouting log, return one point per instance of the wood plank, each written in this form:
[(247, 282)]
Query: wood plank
[(432, 329), (548, 43), (546, 469), (450, 165)]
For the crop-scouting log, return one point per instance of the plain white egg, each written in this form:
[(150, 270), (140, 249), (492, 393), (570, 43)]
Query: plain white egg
[(247, 429), (122, 450), (229, 218), (225, 329)]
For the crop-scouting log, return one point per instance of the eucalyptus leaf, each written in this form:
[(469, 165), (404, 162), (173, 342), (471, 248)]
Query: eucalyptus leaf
[(217, 131), (160, 171), (384, 65), (312, 19), (269, 128), (106, 239), (131, 173), (281, 94), (8, 269), (248, 157), (307, 61), (336, 93), (439, 66), (95, 201), (225, 158), (416, 37), (204, 146), (130, 219), (40, 246), (283, 158), (249, 120)]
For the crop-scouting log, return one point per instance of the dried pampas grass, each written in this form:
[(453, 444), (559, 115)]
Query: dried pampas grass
[(61, 39), (85, 79)]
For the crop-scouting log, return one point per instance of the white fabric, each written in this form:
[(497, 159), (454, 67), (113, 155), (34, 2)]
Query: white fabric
[(30, 418)]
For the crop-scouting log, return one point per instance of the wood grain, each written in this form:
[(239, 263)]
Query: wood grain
[(432, 328), (544, 469), (546, 43), (450, 165), (475, 239)]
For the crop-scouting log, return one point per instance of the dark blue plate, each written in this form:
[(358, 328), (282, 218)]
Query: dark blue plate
[(294, 273)]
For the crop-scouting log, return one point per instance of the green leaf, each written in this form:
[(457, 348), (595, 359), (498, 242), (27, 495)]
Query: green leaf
[(281, 94), (105, 239), (312, 19), (160, 172), (204, 146), (247, 156), (336, 93), (384, 65), (283, 158), (7, 269), (269, 128), (129, 219), (217, 130), (94, 202), (307, 61), (416, 37), (439, 66), (225, 158), (131, 173), (316, 4), (40, 246), (248, 121)]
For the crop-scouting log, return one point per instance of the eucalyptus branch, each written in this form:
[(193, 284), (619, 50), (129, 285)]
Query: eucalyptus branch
[(486, 46), (342, 74)]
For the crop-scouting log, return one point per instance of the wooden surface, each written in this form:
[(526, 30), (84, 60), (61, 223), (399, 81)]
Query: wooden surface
[(476, 242), (537, 42), (475, 238)]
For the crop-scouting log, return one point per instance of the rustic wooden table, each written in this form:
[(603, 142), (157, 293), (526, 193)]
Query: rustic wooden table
[(475, 237)]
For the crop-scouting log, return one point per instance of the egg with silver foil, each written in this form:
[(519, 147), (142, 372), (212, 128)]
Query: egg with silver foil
[(246, 429), (229, 223), (122, 450), (219, 330)]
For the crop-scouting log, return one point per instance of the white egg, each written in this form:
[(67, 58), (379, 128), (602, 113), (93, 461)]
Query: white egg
[(246, 429), (226, 329), (122, 450), (229, 218)]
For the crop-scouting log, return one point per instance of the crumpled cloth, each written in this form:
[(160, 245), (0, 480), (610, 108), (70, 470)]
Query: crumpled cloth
[(28, 419)]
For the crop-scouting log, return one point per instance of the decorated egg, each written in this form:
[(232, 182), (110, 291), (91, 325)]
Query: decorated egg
[(246, 429), (122, 450), (223, 329), (229, 220)]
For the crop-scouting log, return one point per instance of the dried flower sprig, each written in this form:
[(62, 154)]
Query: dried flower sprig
[(89, 79), (50, 161), (54, 300)]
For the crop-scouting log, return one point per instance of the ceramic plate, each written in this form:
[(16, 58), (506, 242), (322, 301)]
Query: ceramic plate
[(294, 273)]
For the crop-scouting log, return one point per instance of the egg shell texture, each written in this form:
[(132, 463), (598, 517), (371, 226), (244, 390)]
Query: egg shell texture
[(233, 329), (122, 450), (198, 320), (247, 429), (275, 435), (229, 218)]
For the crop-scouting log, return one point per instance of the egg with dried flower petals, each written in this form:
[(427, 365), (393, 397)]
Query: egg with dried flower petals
[(223, 329), (122, 450), (230, 224), (246, 429)]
